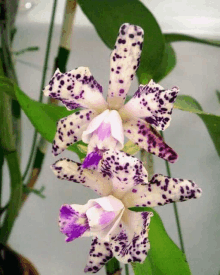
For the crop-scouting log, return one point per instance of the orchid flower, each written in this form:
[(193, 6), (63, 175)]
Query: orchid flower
[(122, 182), (102, 124)]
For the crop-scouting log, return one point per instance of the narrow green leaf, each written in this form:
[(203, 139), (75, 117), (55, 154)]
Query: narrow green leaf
[(177, 37), (44, 117), (164, 256), (212, 122), (108, 15), (167, 65), (7, 86), (29, 49)]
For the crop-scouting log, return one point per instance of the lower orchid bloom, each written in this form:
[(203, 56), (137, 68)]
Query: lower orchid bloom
[(102, 124), (116, 231), (122, 182)]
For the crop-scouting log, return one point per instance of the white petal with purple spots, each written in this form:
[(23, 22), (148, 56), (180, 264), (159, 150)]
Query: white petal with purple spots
[(99, 254), (124, 60), (129, 242), (124, 170), (67, 169), (153, 103), (162, 190), (76, 88), (140, 132), (70, 129)]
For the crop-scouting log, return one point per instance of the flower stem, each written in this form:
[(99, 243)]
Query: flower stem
[(8, 149), (175, 208), (126, 269), (15, 197)]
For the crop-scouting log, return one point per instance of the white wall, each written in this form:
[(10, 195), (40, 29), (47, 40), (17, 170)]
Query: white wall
[(192, 17)]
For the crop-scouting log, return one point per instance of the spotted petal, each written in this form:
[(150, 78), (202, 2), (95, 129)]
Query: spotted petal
[(140, 132), (124, 62), (162, 190), (70, 129), (73, 221), (99, 254), (129, 242), (152, 103), (76, 88), (124, 170), (67, 169)]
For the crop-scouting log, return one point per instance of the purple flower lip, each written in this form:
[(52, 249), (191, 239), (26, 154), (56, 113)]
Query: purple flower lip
[(92, 160)]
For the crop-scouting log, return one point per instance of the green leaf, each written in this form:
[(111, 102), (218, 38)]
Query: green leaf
[(142, 269), (176, 37), (44, 117), (164, 256), (167, 65), (108, 15), (7, 86), (212, 122), (112, 267)]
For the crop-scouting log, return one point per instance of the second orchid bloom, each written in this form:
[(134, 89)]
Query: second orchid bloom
[(122, 182)]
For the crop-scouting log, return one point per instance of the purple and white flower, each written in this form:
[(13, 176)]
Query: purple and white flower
[(116, 231), (122, 182), (102, 124)]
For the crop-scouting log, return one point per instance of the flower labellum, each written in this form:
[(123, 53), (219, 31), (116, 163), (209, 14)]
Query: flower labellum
[(102, 124)]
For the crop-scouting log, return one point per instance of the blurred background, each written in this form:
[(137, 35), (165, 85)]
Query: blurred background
[(36, 233)]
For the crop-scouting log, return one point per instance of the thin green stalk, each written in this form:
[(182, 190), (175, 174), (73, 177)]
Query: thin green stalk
[(126, 269), (1, 175), (6, 40), (15, 198), (175, 208), (7, 140), (49, 39)]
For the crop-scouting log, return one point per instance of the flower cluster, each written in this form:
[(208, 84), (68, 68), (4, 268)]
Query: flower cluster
[(120, 179)]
